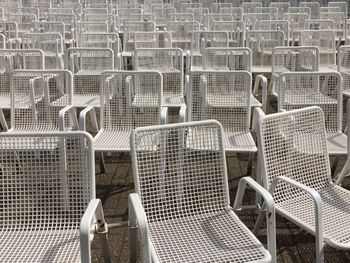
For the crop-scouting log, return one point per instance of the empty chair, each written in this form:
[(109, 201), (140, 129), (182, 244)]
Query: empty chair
[(169, 62), (158, 39), (41, 100), (24, 22), (10, 31), (236, 12), (262, 42), (181, 17), (49, 211), (282, 7), (87, 65), (251, 20), (325, 41), (69, 22), (235, 30), (12, 59), (50, 43), (183, 199), (300, 180), (181, 33), (314, 8), (339, 23), (210, 19), (162, 15), (297, 24), (129, 99), (282, 25), (302, 89)]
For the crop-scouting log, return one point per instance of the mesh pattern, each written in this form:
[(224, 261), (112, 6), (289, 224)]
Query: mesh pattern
[(344, 67), (235, 30), (87, 65), (314, 9), (37, 97), (184, 193), (215, 7), (227, 59), (162, 15), (50, 43), (68, 20), (185, 6), (50, 27), (282, 8), (181, 17), (46, 186), (250, 7), (302, 89), (129, 32), (339, 22), (272, 11), (12, 59), (210, 19), (225, 97), (282, 25), (262, 42), (236, 12), (317, 24), (10, 30), (24, 22), (297, 23), (181, 33), (251, 20), (159, 39), (169, 62), (130, 99), (325, 41)]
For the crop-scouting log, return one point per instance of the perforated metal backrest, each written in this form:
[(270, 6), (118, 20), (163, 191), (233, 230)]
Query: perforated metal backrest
[(158, 39), (339, 21), (227, 59), (181, 17), (185, 6), (282, 25), (344, 66), (251, 20), (198, 14), (272, 11), (210, 19), (11, 59), (324, 40), (215, 7), (47, 180), (49, 27), (181, 181), (314, 8), (24, 21), (235, 30), (204, 39), (282, 8), (262, 42), (316, 24), (323, 89), (10, 30), (250, 7), (130, 27), (130, 99), (343, 5), (100, 40), (123, 14), (37, 96), (296, 20), (297, 140), (181, 33), (220, 95), (236, 12), (162, 14)]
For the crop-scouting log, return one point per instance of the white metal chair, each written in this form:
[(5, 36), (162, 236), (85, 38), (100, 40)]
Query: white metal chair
[(10, 31), (300, 180), (236, 12), (325, 41), (158, 39), (12, 59), (314, 8), (50, 43), (251, 20), (235, 30), (129, 99), (87, 65), (169, 62), (297, 24), (282, 25), (181, 205), (181, 33), (302, 89), (282, 8), (339, 23), (262, 42), (41, 100), (49, 208), (272, 11), (249, 7), (69, 22)]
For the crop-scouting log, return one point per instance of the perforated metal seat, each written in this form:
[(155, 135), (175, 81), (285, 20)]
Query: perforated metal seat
[(301, 180), (187, 219), (302, 89), (46, 189), (344, 68), (169, 62)]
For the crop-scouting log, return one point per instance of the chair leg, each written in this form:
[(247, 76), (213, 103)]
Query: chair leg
[(105, 249), (102, 163), (259, 220), (334, 166), (250, 164), (3, 122)]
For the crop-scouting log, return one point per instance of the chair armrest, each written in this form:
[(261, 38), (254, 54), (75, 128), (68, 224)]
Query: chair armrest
[(188, 62), (119, 62), (72, 111), (164, 115), (138, 218), (261, 80), (318, 208), (257, 115), (91, 223), (268, 203), (83, 116), (182, 113)]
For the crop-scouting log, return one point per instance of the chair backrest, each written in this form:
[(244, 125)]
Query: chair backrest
[(220, 95), (181, 17), (282, 25), (323, 89), (181, 33), (272, 11), (203, 39), (314, 8), (210, 19), (251, 20), (343, 5), (37, 96), (236, 12), (319, 24), (47, 180), (282, 8), (130, 99), (297, 140), (100, 40), (49, 27), (188, 174), (235, 31), (324, 40), (158, 39), (227, 59), (249, 7)]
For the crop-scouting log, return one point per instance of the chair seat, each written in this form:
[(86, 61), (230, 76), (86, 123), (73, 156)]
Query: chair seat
[(261, 69), (239, 141), (337, 143), (147, 100), (308, 99), (80, 100), (212, 237), (335, 212), (231, 100), (112, 140), (172, 100), (5, 101), (40, 246)]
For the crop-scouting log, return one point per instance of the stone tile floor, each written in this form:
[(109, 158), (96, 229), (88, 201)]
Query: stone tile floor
[(294, 244)]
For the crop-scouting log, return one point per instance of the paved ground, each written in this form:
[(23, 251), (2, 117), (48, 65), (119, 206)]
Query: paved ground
[(294, 245)]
